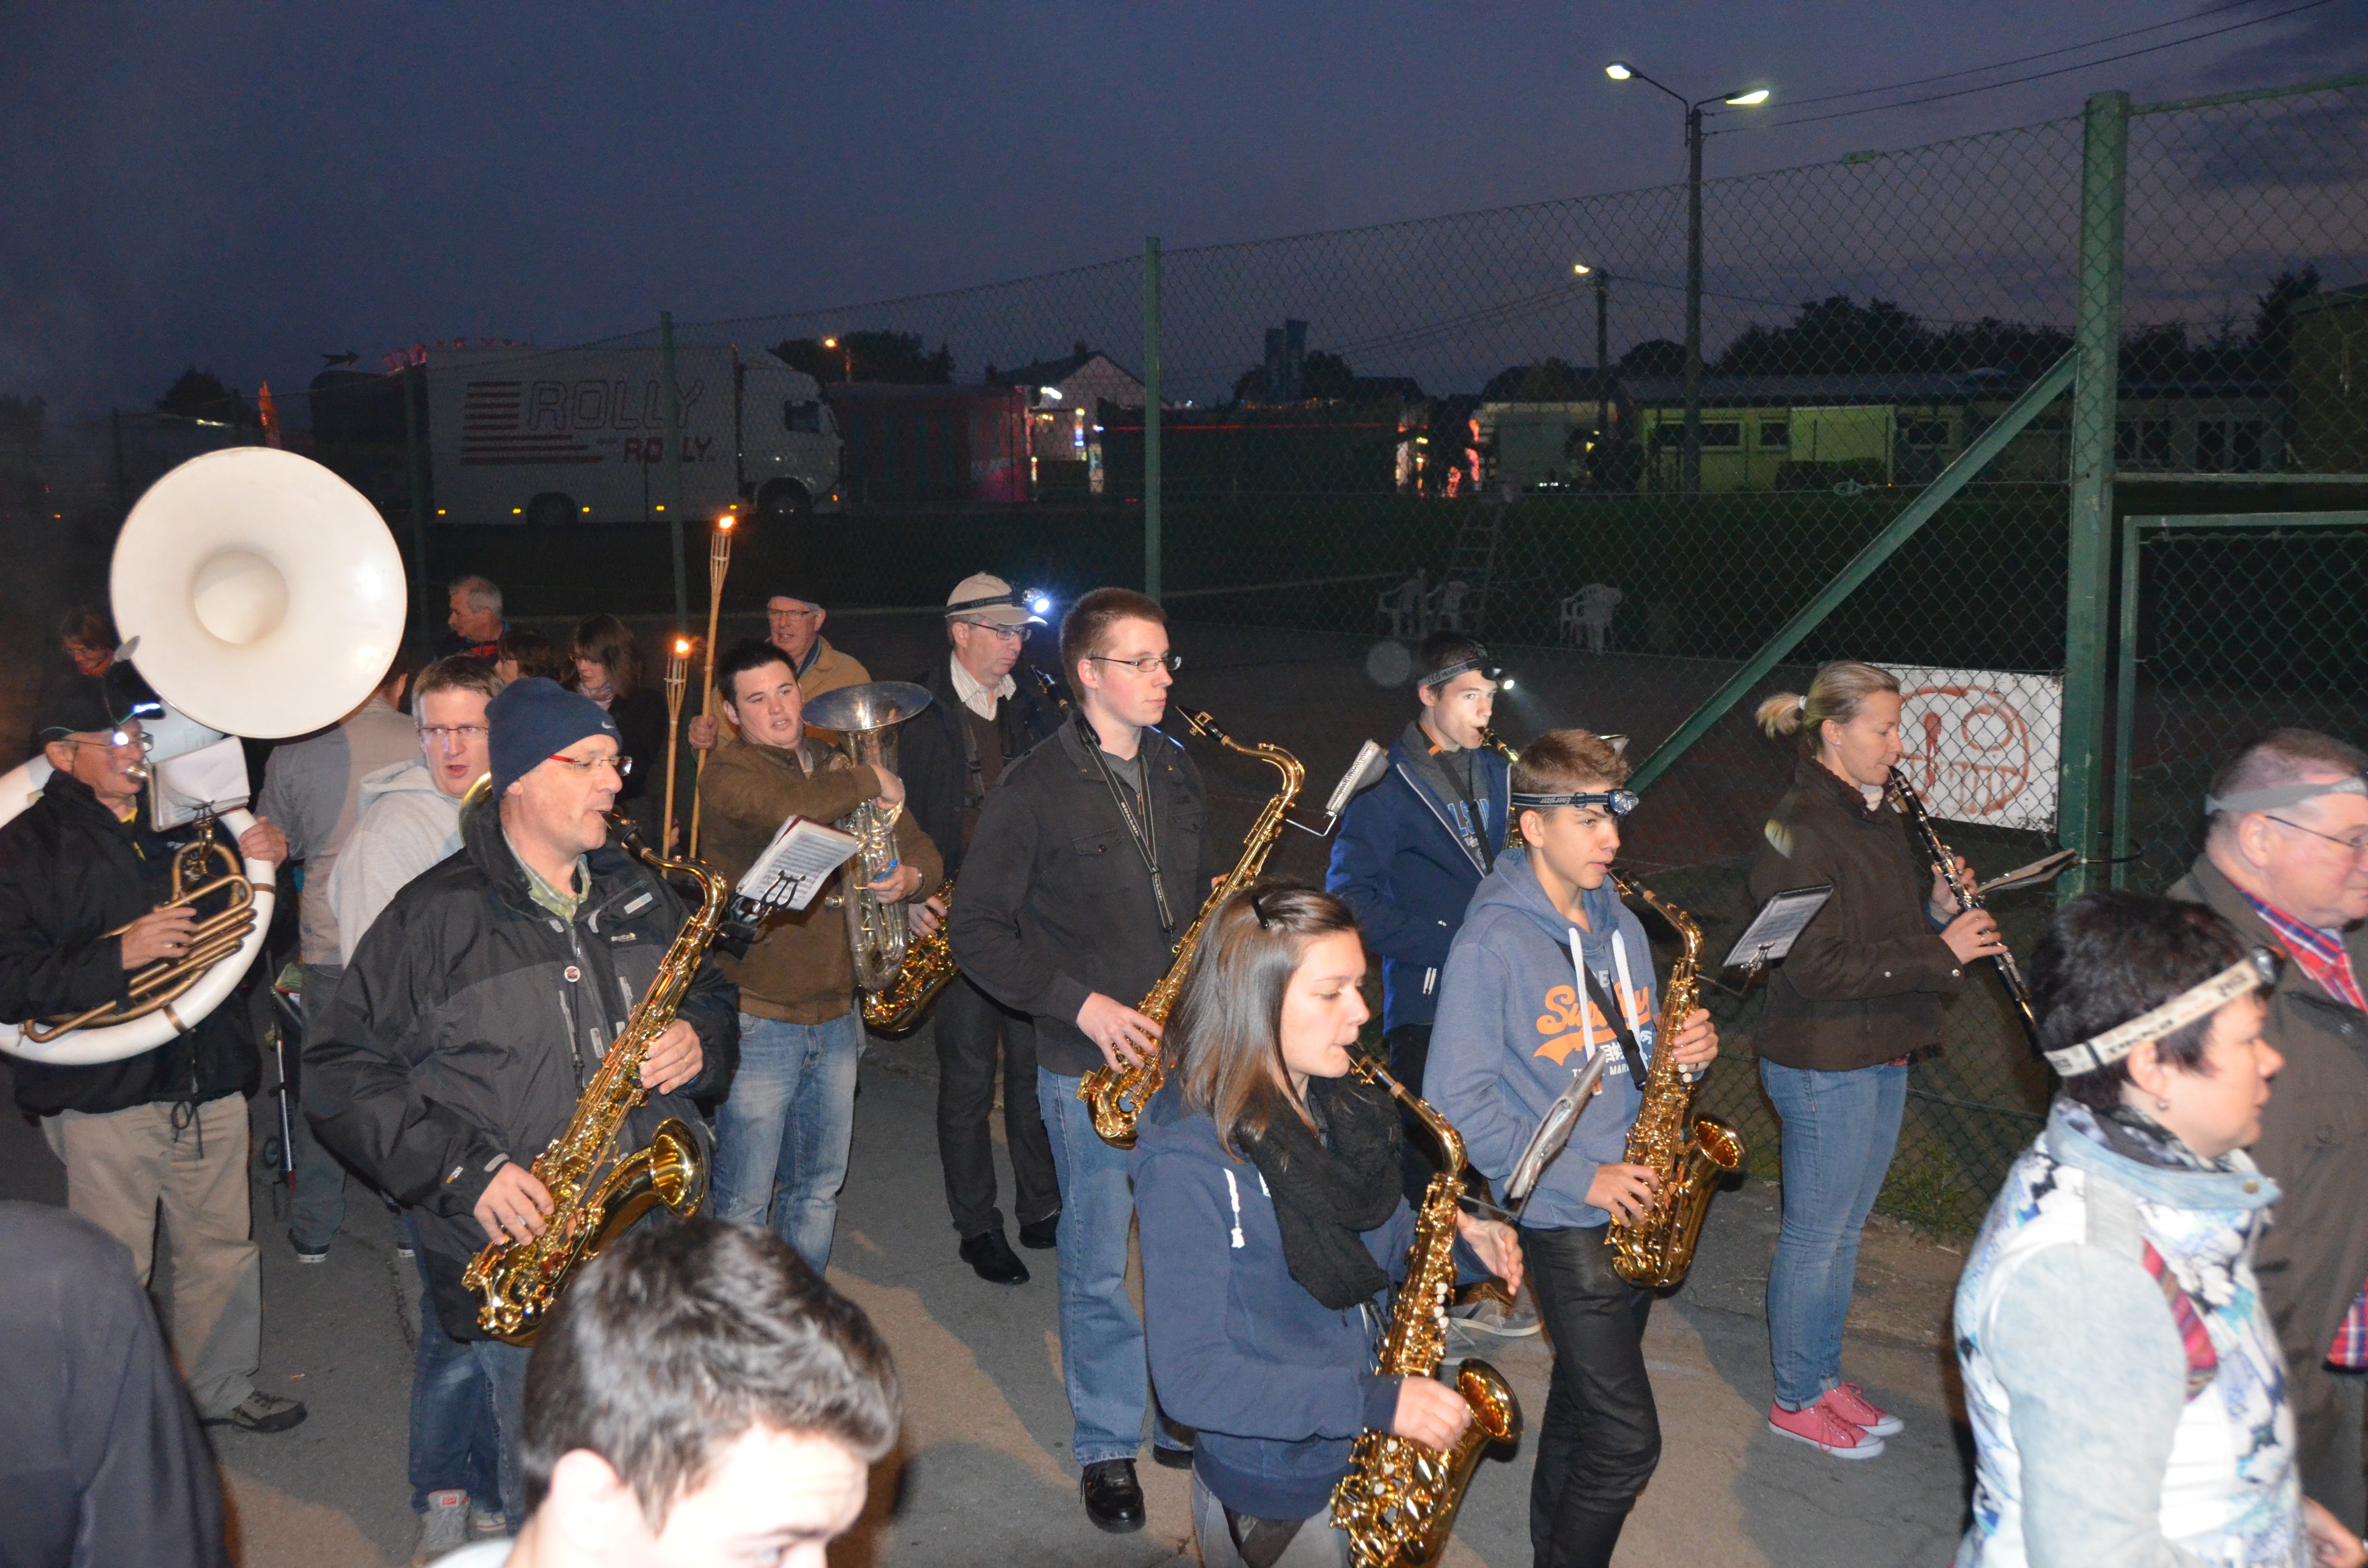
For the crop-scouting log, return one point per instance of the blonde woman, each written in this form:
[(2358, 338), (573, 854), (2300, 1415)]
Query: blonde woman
[(1856, 999)]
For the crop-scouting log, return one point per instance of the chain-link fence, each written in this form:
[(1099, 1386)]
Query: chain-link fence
[(1492, 422)]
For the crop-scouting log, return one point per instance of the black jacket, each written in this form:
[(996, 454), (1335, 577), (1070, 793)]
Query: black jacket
[(1055, 903), (934, 761), (464, 1029), (641, 721), (69, 873), (1864, 981)]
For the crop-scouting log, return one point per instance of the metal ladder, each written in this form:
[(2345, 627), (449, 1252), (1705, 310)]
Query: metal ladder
[(1473, 562)]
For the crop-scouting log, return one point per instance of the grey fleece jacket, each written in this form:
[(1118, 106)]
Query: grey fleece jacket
[(406, 825)]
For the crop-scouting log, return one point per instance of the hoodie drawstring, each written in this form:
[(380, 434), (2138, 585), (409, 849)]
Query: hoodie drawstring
[(1235, 1192)]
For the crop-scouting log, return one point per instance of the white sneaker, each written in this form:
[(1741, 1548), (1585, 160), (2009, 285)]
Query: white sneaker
[(443, 1528)]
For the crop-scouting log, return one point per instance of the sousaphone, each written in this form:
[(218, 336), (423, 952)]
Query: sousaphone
[(261, 596)]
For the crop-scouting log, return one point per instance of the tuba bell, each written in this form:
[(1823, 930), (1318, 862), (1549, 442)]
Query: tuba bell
[(864, 719), (259, 595)]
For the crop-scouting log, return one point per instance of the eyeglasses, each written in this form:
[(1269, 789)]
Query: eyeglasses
[(806, 614), (585, 765), (2357, 844), (1003, 633), (1171, 663), (446, 736), (117, 740)]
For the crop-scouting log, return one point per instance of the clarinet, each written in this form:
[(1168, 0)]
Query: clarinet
[(1903, 794)]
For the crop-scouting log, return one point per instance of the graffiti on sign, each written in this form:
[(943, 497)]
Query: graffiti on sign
[(1981, 745)]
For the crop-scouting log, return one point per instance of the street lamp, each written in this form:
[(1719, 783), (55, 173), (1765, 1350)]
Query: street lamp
[(845, 357), (1621, 70), (1602, 286)]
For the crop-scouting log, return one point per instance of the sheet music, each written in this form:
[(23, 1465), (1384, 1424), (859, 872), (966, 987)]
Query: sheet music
[(794, 867), (2046, 869), (1779, 921)]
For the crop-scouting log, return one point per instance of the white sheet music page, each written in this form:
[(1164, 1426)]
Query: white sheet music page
[(795, 865)]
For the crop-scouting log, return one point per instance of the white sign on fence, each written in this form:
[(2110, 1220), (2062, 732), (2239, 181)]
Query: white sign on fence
[(1982, 745)]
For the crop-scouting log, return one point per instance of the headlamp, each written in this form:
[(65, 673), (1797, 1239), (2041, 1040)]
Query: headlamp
[(1479, 661), (2257, 971), (1619, 802)]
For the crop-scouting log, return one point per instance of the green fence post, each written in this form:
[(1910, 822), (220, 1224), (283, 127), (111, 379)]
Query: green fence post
[(1151, 418), (2097, 343), (674, 465), (414, 387)]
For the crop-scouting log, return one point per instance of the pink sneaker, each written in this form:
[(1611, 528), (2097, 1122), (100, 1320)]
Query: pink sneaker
[(1822, 1429), (1848, 1401)]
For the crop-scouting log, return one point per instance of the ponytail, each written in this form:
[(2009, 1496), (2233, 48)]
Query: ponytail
[(1840, 690)]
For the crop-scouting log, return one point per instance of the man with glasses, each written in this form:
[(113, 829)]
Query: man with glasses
[(411, 820), (1090, 859), (793, 626), (167, 1128), (312, 788), (2285, 861), (978, 722), (480, 1003)]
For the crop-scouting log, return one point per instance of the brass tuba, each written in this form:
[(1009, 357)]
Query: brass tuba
[(260, 595), (1399, 1501), (1655, 1252), (1118, 1095), (595, 1195), (864, 718)]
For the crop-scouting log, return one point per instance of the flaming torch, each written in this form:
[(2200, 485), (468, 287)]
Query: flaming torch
[(678, 676), (719, 562)]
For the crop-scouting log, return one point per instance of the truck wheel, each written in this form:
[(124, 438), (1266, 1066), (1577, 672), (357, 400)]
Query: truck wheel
[(552, 510), (784, 501)]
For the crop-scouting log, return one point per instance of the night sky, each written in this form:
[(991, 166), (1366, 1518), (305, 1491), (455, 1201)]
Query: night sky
[(244, 187)]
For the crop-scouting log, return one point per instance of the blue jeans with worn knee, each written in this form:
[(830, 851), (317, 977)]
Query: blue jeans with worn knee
[(1101, 1338), (503, 1367), (781, 1134), (1839, 1131)]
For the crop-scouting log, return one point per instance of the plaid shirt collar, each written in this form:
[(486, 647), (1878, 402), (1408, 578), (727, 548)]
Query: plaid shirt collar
[(2320, 953)]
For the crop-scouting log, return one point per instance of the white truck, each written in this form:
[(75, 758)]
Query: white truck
[(578, 436)]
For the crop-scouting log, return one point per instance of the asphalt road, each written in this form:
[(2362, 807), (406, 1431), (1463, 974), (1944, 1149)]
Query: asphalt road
[(982, 1475)]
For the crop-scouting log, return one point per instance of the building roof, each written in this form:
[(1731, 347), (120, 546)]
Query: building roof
[(1790, 390), (1053, 372)]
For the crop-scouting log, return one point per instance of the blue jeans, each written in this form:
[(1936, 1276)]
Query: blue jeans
[(504, 1367), (455, 1445), (782, 1132), (1839, 1130), (1101, 1338)]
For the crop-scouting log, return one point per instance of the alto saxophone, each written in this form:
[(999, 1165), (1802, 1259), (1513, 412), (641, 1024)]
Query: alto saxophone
[(1118, 1095), (1655, 1252), (928, 968), (595, 1196), (1513, 839), (1399, 1501)]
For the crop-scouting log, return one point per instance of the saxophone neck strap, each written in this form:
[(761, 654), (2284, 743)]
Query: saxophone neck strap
[(1612, 1014)]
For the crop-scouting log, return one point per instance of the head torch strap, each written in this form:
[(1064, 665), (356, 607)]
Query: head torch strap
[(2236, 979), (1619, 802), (1016, 596), (2276, 795), (1448, 673)]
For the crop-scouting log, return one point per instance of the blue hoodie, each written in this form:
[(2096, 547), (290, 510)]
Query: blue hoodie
[(1276, 1384), (1513, 1027), (1400, 865)]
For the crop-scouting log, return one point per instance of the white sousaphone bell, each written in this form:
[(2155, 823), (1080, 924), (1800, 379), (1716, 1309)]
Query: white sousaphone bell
[(262, 596)]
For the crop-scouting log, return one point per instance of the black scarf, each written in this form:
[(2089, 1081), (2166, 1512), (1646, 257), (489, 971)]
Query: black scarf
[(1327, 1193)]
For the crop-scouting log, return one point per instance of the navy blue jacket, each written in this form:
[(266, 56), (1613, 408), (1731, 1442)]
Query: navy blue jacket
[(1401, 867)]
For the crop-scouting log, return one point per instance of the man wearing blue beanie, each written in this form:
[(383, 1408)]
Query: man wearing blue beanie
[(481, 1001)]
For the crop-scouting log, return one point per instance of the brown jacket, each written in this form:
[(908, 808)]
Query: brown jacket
[(797, 969), (2313, 1140), (1864, 982)]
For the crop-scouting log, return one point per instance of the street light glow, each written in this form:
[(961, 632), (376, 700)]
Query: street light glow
[(1745, 100), (1618, 71), (1581, 268), (830, 343)]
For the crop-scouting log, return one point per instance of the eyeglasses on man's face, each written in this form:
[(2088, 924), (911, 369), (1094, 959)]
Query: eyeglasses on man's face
[(803, 612), (1171, 663), (2355, 841), (1002, 633), (582, 767), (444, 737)]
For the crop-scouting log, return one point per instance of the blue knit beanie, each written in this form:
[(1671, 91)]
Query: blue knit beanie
[(533, 721)]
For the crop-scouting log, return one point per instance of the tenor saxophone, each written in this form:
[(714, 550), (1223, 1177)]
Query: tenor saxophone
[(595, 1195), (1118, 1095), (1688, 1157), (1397, 1503), (928, 968)]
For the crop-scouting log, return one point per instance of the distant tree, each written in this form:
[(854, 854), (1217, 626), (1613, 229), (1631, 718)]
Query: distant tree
[(895, 357), (200, 394), (2273, 311), (2158, 353), (1250, 385), (1326, 376), (1654, 357), (1830, 336)]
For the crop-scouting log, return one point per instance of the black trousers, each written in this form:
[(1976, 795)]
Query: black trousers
[(969, 1024), (1408, 1050), (1601, 1435)]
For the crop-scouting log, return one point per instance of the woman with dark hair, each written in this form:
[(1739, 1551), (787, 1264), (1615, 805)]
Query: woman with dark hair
[(522, 655), (1855, 1001), (609, 670), (1265, 1184), (2127, 1394)]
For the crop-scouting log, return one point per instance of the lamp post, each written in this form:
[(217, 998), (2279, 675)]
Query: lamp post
[(846, 358), (1601, 282), (1621, 70)]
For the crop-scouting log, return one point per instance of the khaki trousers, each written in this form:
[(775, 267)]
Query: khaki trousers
[(120, 1167)]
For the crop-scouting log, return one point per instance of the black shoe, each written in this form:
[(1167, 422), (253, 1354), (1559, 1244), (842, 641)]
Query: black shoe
[(1042, 1234), (992, 1257), (1113, 1497), (1171, 1459)]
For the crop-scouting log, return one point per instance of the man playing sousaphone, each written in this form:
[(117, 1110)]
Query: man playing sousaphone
[(781, 1136), (167, 1126), (481, 1002)]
